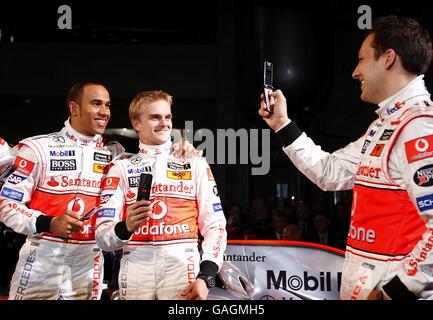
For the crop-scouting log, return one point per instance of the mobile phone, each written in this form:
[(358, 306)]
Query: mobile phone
[(268, 77), (144, 186), (89, 214)]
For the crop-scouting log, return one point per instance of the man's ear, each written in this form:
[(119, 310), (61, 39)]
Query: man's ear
[(390, 58), (73, 108), (136, 124)]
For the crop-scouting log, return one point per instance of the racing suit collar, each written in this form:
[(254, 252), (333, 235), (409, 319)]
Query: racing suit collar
[(78, 138), (164, 148), (391, 106)]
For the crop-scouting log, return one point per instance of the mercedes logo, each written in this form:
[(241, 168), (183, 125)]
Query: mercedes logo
[(59, 139), (135, 160)]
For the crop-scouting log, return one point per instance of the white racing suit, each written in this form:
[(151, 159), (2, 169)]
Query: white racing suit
[(55, 173), (161, 257), (390, 170), (7, 154)]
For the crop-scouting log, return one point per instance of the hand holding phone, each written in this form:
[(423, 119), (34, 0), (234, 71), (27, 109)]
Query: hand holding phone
[(268, 75), (144, 187)]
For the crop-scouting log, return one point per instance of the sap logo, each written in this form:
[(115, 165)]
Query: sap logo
[(62, 153), (425, 203), (105, 198), (217, 207), (15, 179), (63, 165)]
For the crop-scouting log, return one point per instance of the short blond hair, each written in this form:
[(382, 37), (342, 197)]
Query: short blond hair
[(146, 97)]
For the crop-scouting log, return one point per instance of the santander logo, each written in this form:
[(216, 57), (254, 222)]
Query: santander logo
[(130, 194), (53, 182)]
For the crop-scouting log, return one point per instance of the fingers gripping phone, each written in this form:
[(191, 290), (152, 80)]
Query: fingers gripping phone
[(268, 75)]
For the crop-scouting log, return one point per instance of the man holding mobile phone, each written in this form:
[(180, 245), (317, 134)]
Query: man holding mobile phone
[(388, 253), (159, 237), (56, 180)]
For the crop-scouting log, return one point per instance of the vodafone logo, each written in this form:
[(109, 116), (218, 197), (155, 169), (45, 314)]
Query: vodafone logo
[(110, 183), (23, 165), (159, 210), (421, 145), (419, 149), (76, 205)]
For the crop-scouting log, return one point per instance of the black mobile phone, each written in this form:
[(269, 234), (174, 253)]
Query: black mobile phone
[(144, 186), (89, 214), (268, 77)]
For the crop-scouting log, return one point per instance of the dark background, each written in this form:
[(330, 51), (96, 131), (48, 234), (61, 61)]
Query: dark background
[(209, 56)]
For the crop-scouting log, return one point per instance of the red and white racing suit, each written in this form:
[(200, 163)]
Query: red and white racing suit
[(161, 257), (7, 154), (55, 173), (390, 170)]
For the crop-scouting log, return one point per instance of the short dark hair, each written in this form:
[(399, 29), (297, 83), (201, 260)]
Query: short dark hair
[(407, 38), (76, 92)]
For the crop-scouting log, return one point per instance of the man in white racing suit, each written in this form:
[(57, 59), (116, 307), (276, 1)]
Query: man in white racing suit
[(7, 155), (159, 237), (56, 182), (390, 168)]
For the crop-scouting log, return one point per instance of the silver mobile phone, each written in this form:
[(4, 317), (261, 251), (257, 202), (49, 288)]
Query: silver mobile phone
[(268, 75)]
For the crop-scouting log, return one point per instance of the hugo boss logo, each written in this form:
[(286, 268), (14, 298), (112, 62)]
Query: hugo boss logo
[(63, 165)]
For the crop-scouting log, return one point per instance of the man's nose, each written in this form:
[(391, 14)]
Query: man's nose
[(355, 73), (105, 111)]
